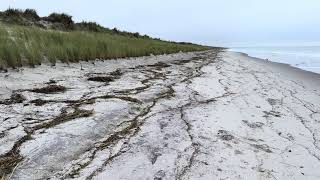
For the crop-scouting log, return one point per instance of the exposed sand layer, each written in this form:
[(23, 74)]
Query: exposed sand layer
[(207, 115)]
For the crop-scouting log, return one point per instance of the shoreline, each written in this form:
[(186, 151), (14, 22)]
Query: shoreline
[(288, 68), (309, 69), (280, 63)]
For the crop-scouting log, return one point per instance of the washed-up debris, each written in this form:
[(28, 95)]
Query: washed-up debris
[(262, 147), (225, 135), (101, 79), (14, 99), (64, 117), (273, 102), (271, 113), (105, 77), (50, 89), (159, 65), (38, 102), (254, 124)]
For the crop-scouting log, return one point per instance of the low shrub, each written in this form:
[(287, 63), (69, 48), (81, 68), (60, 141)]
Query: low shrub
[(89, 26), (31, 14), (63, 19), (13, 12)]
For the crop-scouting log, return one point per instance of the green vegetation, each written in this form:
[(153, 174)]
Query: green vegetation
[(25, 44)]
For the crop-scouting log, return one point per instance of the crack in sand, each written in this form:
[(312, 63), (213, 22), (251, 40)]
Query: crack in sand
[(133, 128)]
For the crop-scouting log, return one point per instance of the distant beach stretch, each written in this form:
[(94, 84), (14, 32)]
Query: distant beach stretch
[(200, 115), (305, 57)]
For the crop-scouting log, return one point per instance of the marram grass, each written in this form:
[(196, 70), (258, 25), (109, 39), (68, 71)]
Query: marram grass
[(21, 45)]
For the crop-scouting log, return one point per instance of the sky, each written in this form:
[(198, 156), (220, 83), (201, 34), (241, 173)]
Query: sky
[(211, 22)]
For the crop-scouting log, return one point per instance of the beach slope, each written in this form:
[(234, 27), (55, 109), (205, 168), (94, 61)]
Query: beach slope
[(203, 115)]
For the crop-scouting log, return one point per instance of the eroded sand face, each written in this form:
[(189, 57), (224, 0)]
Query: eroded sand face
[(208, 115)]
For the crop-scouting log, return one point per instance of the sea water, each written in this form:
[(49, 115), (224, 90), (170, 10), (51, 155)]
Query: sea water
[(305, 57)]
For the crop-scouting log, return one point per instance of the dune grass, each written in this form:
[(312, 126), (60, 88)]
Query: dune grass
[(27, 45)]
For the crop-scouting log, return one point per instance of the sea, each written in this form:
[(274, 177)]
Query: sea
[(306, 57)]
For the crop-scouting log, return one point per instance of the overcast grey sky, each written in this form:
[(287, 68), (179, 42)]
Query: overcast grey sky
[(213, 22)]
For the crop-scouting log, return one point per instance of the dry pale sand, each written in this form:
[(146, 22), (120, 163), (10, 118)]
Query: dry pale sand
[(207, 115)]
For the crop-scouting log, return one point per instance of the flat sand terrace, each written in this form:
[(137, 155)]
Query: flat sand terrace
[(202, 115)]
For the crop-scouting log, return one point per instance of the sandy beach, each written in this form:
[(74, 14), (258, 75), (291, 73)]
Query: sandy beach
[(202, 115)]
